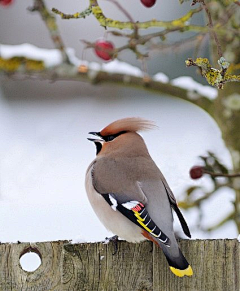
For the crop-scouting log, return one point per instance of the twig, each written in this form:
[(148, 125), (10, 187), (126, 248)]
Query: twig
[(108, 22), (221, 174), (177, 46), (142, 40), (134, 41), (128, 15), (76, 15), (210, 24), (214, 76), (51, 24)]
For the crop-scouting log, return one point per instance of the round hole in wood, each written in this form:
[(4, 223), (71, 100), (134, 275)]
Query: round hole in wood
[(30, 259)]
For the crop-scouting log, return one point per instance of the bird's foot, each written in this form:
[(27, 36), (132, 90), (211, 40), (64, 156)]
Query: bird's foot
[(113, 239)]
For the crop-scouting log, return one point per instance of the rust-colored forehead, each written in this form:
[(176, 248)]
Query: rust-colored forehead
[(132, 124)]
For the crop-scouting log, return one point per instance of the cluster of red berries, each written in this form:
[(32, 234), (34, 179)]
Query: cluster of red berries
[(6, 2)]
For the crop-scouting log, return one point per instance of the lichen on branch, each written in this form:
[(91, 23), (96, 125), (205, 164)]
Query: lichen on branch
[(21, 64), (76, 15), (214, 77), (96, 10), (108, 22)]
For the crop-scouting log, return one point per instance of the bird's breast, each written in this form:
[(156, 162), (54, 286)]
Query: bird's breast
[(112, 219)]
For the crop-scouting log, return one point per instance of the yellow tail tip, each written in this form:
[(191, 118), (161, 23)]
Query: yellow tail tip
[(181, 273)]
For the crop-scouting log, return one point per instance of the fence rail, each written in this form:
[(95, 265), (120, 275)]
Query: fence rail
[(142, 267)]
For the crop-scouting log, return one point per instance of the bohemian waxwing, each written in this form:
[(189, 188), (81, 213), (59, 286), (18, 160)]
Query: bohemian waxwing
[(130, 195)]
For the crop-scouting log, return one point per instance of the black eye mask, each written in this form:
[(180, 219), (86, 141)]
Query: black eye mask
[(112, 136)]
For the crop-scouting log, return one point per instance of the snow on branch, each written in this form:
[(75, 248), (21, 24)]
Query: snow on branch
[(194, 88), (49, 57), (30, 61), (183, 24)]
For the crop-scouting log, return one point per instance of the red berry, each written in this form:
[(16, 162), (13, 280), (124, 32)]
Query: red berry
[(6, 2), (196, 172), (104, 49), (148, 3)]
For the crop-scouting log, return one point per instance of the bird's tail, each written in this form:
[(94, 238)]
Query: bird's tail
[(178, 264)]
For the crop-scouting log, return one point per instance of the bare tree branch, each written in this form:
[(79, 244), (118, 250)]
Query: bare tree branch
[(85, 73), (212, 31), (50, 21)]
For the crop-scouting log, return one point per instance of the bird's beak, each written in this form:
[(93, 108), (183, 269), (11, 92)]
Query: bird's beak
[(96, 139), (95, 133)]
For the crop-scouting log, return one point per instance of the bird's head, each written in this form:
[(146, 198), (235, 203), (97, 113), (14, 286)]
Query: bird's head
[(120, 134)]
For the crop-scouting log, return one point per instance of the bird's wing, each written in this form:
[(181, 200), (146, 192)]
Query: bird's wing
[(111, 177), (175, 207), (125, 180), (138, 214), (123, 193)]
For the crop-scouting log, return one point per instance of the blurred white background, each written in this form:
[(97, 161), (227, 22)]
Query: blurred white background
[(44, 151)]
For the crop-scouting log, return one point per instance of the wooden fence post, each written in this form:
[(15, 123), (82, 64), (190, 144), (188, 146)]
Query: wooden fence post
[(136, 267)]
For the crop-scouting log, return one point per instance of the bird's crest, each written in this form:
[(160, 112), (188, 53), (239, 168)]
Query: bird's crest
[(130, 124)]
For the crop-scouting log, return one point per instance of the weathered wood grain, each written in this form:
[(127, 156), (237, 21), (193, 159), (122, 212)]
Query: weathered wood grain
[(100, 270), (47, 276), (136, 267), (215, 263)]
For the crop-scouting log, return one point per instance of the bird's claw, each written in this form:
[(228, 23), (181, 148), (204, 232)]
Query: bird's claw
[(113, 239)]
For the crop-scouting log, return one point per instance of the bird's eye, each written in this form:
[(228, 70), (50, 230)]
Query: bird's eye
[(110, 137)]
